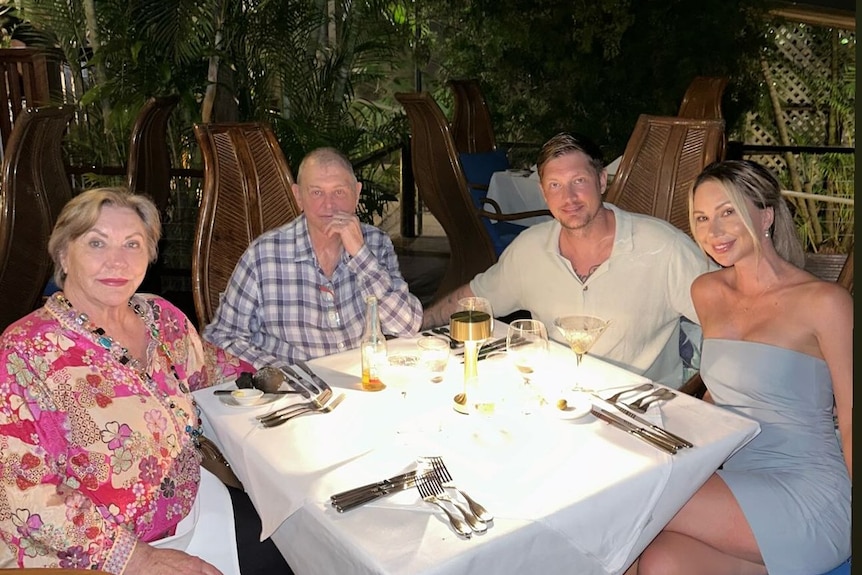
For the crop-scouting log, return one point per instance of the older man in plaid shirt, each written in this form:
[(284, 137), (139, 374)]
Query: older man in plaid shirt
[(299, 291)]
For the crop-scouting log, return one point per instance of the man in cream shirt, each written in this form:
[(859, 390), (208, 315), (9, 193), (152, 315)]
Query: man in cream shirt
[(595, 259)]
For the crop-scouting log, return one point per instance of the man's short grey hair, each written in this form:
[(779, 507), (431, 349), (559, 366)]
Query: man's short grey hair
[(326, 156)]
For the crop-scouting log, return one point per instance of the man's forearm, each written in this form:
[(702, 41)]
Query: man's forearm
[(439, 312)]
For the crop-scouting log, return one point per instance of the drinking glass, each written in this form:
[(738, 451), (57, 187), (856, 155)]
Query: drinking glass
[(581, 332), (527, 346), (434, 355), (527, 350)]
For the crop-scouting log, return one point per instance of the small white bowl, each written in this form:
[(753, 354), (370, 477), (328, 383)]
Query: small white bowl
[(246, 396)]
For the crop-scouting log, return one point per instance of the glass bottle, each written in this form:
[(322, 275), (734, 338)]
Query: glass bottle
[(373, 347)]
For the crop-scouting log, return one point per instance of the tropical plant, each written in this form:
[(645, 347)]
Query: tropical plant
[(593, 66), (808, 98), (294, 63)]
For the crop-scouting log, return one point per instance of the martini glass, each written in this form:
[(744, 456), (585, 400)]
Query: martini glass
[(581, 332)]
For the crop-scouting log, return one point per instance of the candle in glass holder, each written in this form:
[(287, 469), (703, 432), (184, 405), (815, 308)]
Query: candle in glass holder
[(471, 327)]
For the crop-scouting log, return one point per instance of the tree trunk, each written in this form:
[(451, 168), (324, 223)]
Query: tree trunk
[(219, 104), (93, 38)]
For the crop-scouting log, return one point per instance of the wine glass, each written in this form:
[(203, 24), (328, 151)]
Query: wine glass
[(527, 349), (527, 346), (581, 332)]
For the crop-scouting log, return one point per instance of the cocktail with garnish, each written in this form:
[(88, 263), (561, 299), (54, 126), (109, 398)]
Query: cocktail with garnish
[(581, 332)]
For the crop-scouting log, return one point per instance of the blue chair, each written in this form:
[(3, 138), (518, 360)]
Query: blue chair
[(478, 167), (843, 569), (442, 185)]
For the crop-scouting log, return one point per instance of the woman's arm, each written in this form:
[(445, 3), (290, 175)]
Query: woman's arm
[(833, 322)]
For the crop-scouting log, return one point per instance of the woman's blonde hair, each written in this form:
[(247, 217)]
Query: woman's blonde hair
[(81, 213), (744, 179)]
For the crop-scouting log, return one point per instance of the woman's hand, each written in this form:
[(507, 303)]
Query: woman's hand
[(147, 560)]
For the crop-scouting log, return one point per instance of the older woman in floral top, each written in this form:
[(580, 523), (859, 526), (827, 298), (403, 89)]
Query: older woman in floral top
[(97, 426)]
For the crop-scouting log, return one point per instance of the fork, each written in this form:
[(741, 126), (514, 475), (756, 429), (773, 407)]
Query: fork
[(315, 403), (619, 394), (429, 487), (288, 416), (640, 405), (445, 478)]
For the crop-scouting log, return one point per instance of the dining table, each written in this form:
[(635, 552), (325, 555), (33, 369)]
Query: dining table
[(518, 190), (568, 494)]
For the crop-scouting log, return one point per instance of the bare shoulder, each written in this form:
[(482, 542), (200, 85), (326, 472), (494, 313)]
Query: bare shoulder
[(710, 285), (825, 301)]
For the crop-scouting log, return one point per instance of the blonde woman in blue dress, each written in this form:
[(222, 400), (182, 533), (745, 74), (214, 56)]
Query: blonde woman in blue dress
[(778, 349)]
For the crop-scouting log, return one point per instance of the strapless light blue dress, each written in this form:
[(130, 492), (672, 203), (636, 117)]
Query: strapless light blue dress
[(791, 480)]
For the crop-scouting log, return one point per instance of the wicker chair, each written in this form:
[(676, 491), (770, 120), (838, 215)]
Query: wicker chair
[(663, 157), (33, 190), (149, 167), (702, 99), (443, 188), (472, 130), (247, 191)]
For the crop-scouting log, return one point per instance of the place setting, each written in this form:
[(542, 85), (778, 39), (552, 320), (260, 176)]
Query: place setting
[(433, 484)]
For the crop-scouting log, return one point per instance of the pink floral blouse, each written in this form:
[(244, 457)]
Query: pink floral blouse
[(95, 456)]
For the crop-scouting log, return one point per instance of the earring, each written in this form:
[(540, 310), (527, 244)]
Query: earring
[(766, 234)]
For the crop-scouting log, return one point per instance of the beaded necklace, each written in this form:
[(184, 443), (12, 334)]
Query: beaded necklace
[(121, 354)]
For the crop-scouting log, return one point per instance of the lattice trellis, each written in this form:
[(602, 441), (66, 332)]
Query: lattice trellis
[(798, 63)]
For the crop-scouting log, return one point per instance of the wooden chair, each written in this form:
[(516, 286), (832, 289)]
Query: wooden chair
[(33, 190), (149, 171), (29, 78), (443, 188), (695, 386), (149, 168), (472, 130), (247, 191), (663, 157), (702, 99)]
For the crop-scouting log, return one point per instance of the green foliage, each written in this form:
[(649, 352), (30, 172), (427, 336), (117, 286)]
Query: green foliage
[(593, 66), (295, 63)]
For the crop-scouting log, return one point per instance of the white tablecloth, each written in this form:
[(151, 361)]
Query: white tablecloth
[(576, 493), (520, 191)]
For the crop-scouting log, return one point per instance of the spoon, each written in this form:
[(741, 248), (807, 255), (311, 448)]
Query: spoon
[(266, 379)]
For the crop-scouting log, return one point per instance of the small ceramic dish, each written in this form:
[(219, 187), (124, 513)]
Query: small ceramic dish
[(247, 396)]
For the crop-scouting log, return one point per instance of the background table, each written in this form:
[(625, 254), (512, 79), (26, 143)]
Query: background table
[(575, 493)]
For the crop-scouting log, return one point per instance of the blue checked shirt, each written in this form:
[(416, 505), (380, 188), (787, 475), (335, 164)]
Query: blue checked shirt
[(279, 306)]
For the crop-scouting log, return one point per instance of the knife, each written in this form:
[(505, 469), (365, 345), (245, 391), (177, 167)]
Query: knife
[(374, 486), (633, 429), (301, 382), (314, 377), (488, 350), (680, 441), (491, 346), (495, 345), (362, 499)]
